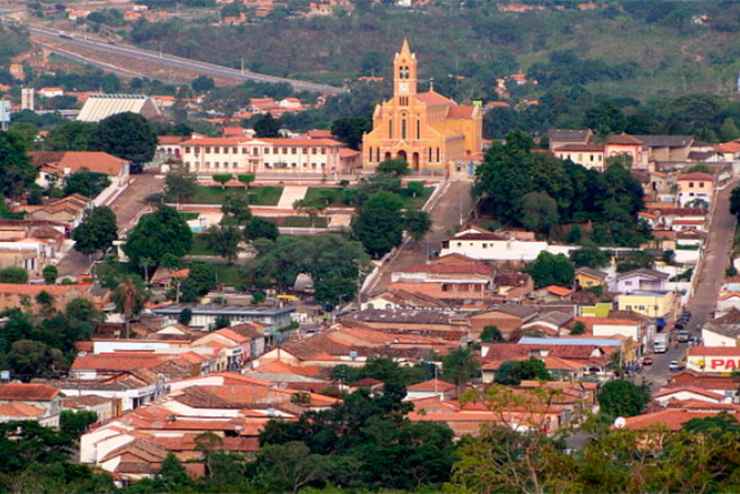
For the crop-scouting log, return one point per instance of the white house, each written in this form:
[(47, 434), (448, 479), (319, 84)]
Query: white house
[(491, 246)]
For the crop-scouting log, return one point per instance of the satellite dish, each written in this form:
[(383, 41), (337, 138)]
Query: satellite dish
[(620, 422)]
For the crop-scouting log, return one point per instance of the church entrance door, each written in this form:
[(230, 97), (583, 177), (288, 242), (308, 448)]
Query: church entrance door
[(402, 155), (415, 161)]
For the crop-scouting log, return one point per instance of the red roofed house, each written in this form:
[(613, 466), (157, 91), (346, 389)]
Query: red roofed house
[(452, 277), (676, 414), (718, 359), (63, 163), (36, 402), (589, 156), (627, 145), (434, 388), (695, 187), (169, 146)]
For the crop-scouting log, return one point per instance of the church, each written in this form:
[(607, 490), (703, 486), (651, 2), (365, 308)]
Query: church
[(429, 131)]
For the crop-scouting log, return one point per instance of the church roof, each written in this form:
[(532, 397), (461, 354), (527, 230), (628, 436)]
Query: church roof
[(432, 97), (461, 111)]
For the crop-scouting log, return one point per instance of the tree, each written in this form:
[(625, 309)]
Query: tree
[(157, 234), (574, 235), (512, 372), (46, 301), (729, 130), (185, 316), (13, 274), (379, 223), (224, 240), (76, 423), (460, 366), (222, 178), (551, 269), (578, 328), (202, 84), (590, 256), (735, 202), (289, 467), (71, 136), (236, 209), (129, 298), (97, 231), (202, 279), (620, 398), (126, 135), (261, 228), (491, 334), (350, 130), (266, 126), (221, 322), (539, 212), (87, 183), (172, 476), (180, 186), (246, 179), (415, 188), (16, 173), (417, 223), (395, 167), (50, 274), (311, 208)]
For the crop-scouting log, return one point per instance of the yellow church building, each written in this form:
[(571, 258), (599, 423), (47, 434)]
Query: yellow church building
[(428, 130)]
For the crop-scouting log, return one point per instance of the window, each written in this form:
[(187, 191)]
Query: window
[(390, 129), (691, 185), (323, 150), (293, 150), (216, 150), (418, 129), (226, 150), (187, 149), (701, 185), (267, 150), (403, 128), (285, 150), (430, 154), (437, 155), (485, 245), (208, 149), (235, 150), (245, 151), (313, 151)]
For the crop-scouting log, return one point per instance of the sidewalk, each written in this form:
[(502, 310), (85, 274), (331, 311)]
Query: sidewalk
[(291, 194)]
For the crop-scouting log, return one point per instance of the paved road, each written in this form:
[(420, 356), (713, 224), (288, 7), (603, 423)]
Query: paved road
[(167, 60), (128, 206), (702, 304), (455, 203)]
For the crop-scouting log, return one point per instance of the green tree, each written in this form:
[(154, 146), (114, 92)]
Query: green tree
[(180, 187), (50, 274), (222, 178), (224, 240), (202, 84), (76, 423), (266, 126), (578, 328), (551, 269), (729, 130), (491, 334), (539, 212), (460, 366), (29, 358), (71, 136), (350, 130), (236, 209), (129, 297), (87, 183), (261, 228), (202, 279), (221, 322), (172, 476), (620, 398), (574, 235), (590, 256), (16, 173), (417, 223), (13, 274), (246, 179), (289, 467), (512, 372), (157, 234), (379, 223), (185, 316), (126, 135), (396, 167), (24, 132), (97, 231)]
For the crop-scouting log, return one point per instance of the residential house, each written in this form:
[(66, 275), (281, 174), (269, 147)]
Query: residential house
[(552, 294), (60, 164), (636, 329), (666, 394), (511, 319), (730, 151), (589, 278), (204, 316), (558, 138), (638, 280), (591, 156), (404, 300), (433, 388), (512, 286), (104, 408), (667, 147), (717, 359), (630, 146), (695, 188), (727, 302), (451, 277), (429, 323), (722, 331), (675, 415), (494, 246), (30, 401), (727, 386), (30, 245), (69, 211), (650, 303)]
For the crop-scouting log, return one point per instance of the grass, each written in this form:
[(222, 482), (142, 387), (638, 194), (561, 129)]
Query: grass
[(188, 215), (335, 196), (200, 247), (258, 196), (303, 222), (228, 274)]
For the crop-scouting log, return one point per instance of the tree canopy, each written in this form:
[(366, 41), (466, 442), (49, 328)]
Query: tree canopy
[(379, 223), (97, 231), (551, 269), (126, 135), (16, 173), (157, 234)]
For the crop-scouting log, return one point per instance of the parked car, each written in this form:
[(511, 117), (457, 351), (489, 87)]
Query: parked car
[(683, 336), (675, 366)]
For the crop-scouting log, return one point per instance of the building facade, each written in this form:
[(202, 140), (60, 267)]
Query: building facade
[(428, 130)]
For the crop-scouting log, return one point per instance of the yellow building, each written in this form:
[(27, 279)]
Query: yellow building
[(428, 130), (589, 278), (647, 303)]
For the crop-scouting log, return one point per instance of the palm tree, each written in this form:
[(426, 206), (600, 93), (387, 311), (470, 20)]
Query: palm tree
[(146, 263), (129, 300)]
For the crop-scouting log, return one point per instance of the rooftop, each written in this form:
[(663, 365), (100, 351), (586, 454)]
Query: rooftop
[(27, 392)]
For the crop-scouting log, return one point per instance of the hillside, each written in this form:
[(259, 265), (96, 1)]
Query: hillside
[(13, 41), (644, 48)]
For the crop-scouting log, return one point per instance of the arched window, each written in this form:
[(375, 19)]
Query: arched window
[(403, 129), (390, 129), (418, 129)]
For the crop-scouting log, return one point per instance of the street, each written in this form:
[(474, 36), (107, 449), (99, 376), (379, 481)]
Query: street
[(702, 304), (127, 207)]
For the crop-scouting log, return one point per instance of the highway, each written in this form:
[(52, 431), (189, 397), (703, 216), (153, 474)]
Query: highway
[(171, 61)]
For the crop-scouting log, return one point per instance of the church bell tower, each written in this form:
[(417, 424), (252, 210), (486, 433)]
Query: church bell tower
[(404, 75)]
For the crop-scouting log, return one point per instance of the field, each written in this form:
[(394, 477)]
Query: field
[(258, 196), (335, 196)]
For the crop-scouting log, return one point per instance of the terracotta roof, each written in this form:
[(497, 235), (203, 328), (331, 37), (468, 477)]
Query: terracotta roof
[(593, 273), (20, 410), (479, 236), (714, 351), (432, 385), (216, 141), (623, 139), (171, 140), (671, 418), (27, 392), (696, 176), (348, 153), (729, 147), (667, 391), (451, 264), (559, 291), (432, 97), (288, 141), (461, 111), (568, 135), (95, 161), (595, 148)]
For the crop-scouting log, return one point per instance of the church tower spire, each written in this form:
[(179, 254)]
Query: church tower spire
[(404, 73)]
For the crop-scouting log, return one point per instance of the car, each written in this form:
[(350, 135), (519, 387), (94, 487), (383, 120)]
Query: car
[(678, 326), (647, 361), (675, 366), (683, 336)]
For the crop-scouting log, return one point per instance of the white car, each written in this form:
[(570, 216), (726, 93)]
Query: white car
[(675, 366)]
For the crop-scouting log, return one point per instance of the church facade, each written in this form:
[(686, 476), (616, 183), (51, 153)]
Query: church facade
[(428, 130)]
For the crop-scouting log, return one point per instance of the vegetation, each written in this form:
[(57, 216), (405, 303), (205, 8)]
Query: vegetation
[(379, 223), (158, 234), (258, 196), (13, 274), (622, 398), (551, 269), (87, 183), (17, 172), (491, 334), (514, 372), (97, 231), (126, 135)]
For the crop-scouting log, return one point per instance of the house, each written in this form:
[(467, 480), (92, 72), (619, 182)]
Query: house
[(667, 394), (717, 359), (305, 378), (728, 301), (638, 279), (675, 415), (722, 331), (636, 328), (695, 188), (50, 92), (170, 147), (589, 156), (68, 211), (730, 151), (558, 138), (402, 300), (667, 147), (512, 286), (551, 323), (451, 277), (511, 319), (429, 323), (630, 146), (235, 346), (727, 386), (56, 165), (433, 388), (14, 295), (495, 246), (204, 316), (30, 401), (552, 293), (104, 408), (30, 244), (101, 106), (650, 303), (589, 278)]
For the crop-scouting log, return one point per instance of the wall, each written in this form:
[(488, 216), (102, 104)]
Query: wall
[(710, 338)]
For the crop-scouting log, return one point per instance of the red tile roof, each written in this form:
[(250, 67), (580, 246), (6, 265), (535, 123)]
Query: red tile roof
[(671, 418), (623, 139), (32, 290), (714, 351), (27, 392), (20, 410), (431, 386), (433, 98), (696, 176), (171, 140), (560, 291), (667, 391), (595, 148)]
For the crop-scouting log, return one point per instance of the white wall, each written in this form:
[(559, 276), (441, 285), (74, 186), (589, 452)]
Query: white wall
[(715, 339), (110, 346), (609, 330)]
